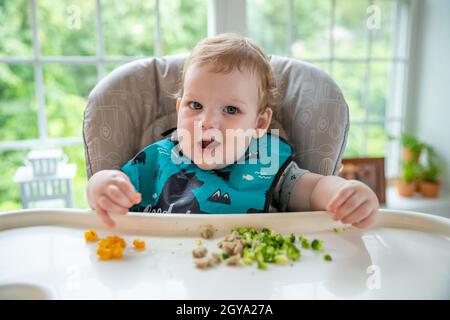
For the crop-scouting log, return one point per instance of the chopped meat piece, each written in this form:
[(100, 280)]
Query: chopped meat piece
[(199, 252), (207, 232)]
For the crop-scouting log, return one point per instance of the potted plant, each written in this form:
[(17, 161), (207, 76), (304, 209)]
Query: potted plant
[(429, 185), (412, 148), (406, 184)]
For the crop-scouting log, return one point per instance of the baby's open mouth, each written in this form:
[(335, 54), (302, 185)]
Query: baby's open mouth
[(209, 144)]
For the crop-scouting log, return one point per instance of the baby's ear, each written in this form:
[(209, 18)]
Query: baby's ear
[(178, 103), (263, 122)]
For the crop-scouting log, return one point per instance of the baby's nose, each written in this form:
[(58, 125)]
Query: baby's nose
[(209, 119)]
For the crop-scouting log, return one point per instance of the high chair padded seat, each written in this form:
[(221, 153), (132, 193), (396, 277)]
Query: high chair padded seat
[(134, 104)]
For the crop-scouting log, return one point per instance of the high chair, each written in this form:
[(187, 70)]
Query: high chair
[(131, 107)]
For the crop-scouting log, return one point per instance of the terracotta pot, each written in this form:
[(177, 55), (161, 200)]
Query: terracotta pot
[(430, 189), (406, 189), (418, 186), (410, 155)]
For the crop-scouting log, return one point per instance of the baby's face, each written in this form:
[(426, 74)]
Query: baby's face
[(218, 115)]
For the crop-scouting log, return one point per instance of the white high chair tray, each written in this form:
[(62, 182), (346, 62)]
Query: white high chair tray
[(43, 255)]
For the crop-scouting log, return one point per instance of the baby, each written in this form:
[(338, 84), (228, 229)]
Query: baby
[(221, 157)]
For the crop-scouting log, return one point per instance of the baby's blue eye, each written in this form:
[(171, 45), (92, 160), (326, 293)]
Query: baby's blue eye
[(195, 105), (231, 110)]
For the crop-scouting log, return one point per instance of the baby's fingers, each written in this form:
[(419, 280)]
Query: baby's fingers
[(359, 214), (128, 189), (339, 199), (105, 217), (113, 192), (111, 207), (368, 221)]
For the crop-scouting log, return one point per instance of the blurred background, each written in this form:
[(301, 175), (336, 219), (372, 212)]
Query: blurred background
[(389, 57)]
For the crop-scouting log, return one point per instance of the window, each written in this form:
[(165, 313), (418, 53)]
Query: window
[(361, 44), (53, 53)]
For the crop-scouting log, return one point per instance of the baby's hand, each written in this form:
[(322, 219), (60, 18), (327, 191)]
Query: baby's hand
[(111, 192), (354, 203)]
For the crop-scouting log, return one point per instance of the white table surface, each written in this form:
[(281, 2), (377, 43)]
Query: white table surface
[(44, 256)]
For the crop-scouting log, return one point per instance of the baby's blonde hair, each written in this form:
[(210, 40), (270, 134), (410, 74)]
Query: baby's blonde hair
[(227, 52)]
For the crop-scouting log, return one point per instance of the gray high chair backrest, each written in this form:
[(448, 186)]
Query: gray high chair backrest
[(132, 106)]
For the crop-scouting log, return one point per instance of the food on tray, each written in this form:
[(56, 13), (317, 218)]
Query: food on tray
[(305, 242), (199, 252), (317, 245), (139, 244), (207, 232), (340, 230), (111, 247), (91, 235), (246, 246), (205, 262)]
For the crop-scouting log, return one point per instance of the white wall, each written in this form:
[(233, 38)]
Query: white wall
[(428, 103)]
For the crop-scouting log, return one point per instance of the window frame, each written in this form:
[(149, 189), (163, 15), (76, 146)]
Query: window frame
[(230, 16)]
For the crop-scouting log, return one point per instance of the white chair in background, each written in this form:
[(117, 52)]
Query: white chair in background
[(46, 176)]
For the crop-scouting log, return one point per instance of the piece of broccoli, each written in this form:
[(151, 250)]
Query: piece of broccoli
[(317, 244), (305, 243), (327, 257), (262, 265), (281, 259)]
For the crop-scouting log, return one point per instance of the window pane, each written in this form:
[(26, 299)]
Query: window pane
[(181, 34), (15, 28), (9, 190), (376, 140), (324, 66), (129, 27), (67, 27), (382, 30), (396, 88), (311, 29), (350, 31), (378, 95), (354, 141), (67, 87), (18, 112), (267, 24), (110, 67), (350, 78)]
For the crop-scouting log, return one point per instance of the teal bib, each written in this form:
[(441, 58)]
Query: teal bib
[(171, 183)]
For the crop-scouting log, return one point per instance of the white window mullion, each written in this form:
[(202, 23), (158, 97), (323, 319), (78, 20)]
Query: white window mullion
[(366, 89), (31, 144), (331, 40), (392, 147), (227, 16), (119, 59), (291, 27), (406, 17), (38, 74), (158, 34), (100, 42)]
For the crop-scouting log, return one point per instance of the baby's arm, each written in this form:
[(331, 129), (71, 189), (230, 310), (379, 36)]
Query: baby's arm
[(111, 192), (349, 201)]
